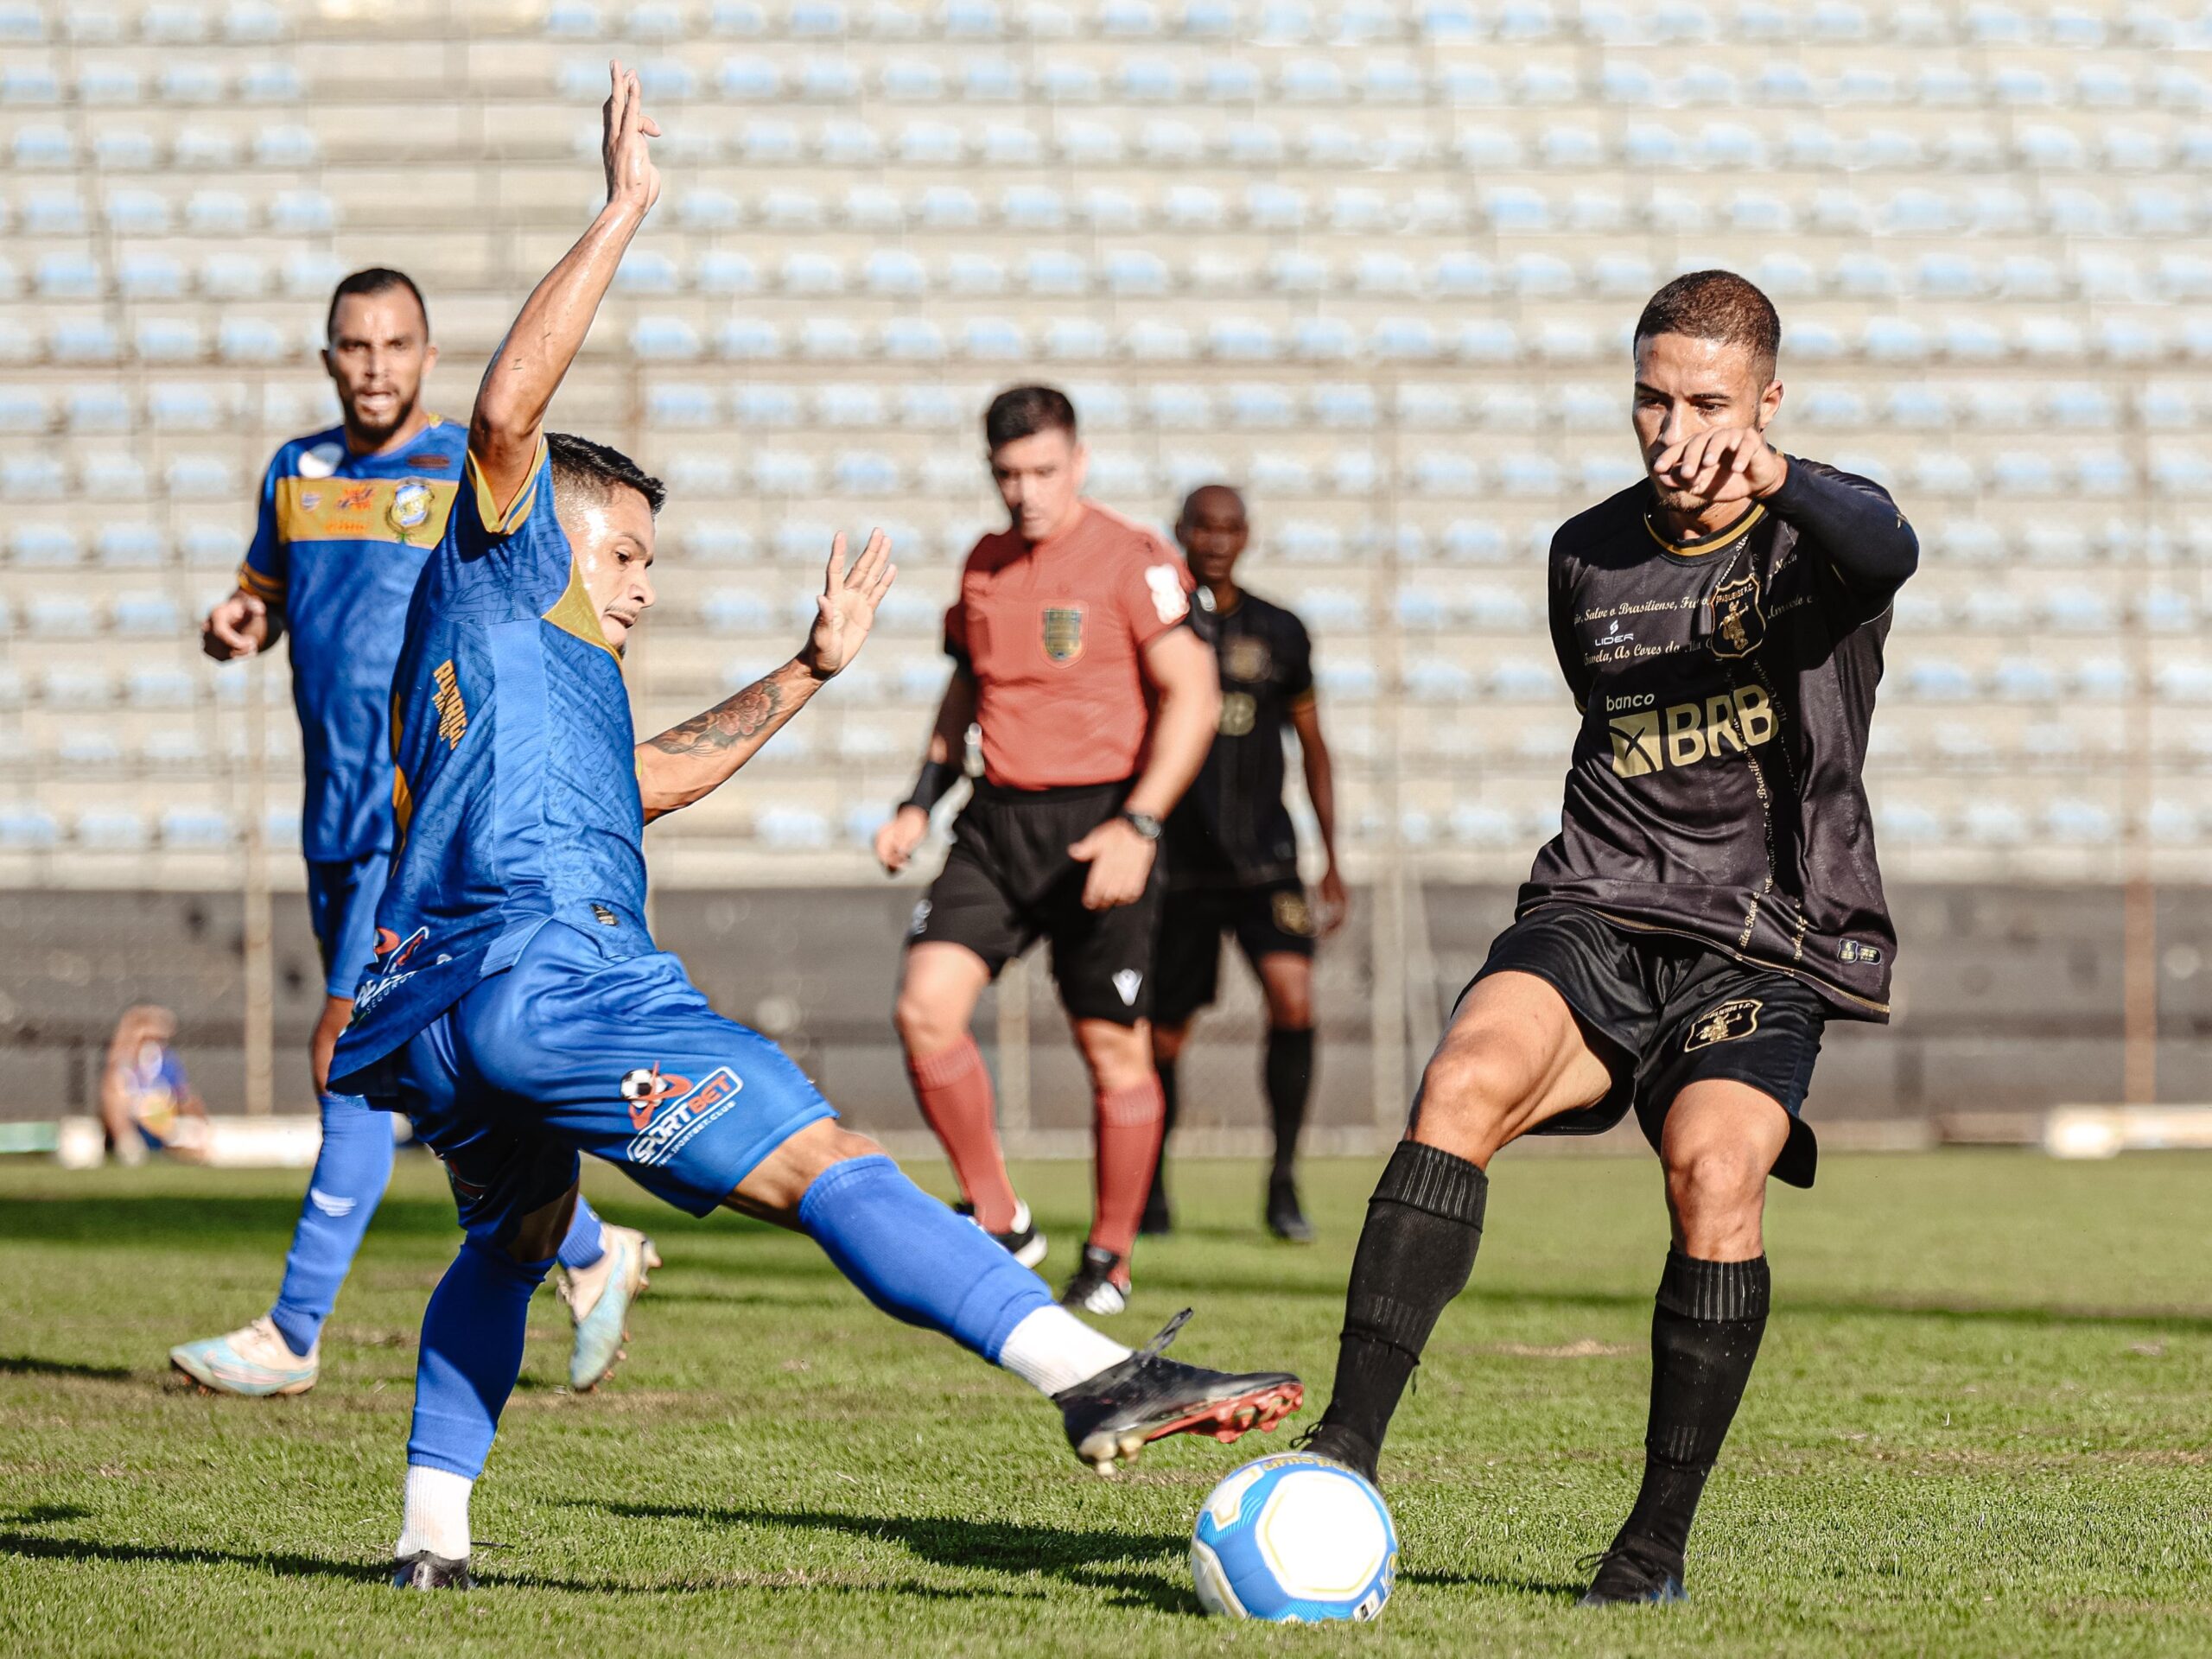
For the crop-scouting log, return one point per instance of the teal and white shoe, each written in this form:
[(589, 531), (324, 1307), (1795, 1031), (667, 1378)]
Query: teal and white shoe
[(252, 1360), (599, 1298)]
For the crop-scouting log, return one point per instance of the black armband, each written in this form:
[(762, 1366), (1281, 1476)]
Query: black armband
[(936, 780)]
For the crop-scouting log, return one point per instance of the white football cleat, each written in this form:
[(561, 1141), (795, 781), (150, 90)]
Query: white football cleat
[(253, 1361), (599, 1298)]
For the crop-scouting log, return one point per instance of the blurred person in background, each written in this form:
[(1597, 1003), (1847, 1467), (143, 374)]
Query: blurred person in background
[(1097, 704), (1232, 853), (146, 1104), (348, 516)]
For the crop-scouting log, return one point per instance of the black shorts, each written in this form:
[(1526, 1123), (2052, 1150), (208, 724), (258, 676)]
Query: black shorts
[(1664, 1012), (1008, 881), (1265, 919)]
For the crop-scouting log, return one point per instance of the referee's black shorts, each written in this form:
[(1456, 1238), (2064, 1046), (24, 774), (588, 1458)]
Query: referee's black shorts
[(1664, 1012), (1008, 881)]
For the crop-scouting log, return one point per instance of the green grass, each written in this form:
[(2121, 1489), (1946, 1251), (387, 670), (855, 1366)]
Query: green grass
[(1979, 1425)]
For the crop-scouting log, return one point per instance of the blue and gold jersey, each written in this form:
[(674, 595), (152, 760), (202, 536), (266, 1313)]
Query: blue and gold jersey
[(341, 540), (515, 785)]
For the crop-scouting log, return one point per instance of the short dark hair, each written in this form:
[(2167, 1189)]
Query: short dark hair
[(584, 471), (1717, 305), (376, 279), (1024, 411)]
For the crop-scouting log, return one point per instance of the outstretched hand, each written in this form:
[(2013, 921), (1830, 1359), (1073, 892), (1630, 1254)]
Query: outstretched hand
[(1729, 463), (633, 181), (845, 609)]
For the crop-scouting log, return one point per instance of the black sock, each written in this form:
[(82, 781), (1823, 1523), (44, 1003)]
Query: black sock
[(1705, 1334), (1289, 1075), (1416, 1252), (1156, 1204)]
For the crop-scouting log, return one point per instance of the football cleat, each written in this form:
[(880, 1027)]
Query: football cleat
[(1110, 1418), (1023, 1242), (1339, 1444), (1632, 1573), (1101, 1285), (1286, 1215), (253, 1361), (599, 1298), (423, 1571)]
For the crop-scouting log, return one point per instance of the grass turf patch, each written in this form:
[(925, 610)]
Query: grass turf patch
[(1977, 1424)]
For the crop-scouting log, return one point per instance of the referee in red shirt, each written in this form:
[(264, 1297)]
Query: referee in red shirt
[(1098, 708)]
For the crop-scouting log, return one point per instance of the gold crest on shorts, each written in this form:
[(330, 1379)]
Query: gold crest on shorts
[(1293, 915), (1724, 1023), (1063, 632)]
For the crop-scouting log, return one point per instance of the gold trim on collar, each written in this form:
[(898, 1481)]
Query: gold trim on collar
[(575, 614), (1711, 543)]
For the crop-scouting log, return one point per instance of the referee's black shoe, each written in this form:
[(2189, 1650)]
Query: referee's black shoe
[(423, 1571), (1633, 1572), (1156, 1222), (1110, 1418), (1286, 1215), (1023, 1242)]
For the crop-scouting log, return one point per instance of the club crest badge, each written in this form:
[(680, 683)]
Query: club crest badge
[(1738, 625), (1293, 915), (1247, 659), (1239, 714), (1063, 632), (412, 503), (1724, 1023)]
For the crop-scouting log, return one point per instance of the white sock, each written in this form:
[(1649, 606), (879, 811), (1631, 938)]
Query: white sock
[(1053, 1350), (436, 1515)]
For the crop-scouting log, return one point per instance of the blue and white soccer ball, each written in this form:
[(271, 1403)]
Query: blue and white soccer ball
[(1295, 1539)]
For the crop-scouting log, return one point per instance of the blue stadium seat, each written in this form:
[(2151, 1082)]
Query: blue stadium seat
[(68, 275), (1007, 145), (200, 477), (912, 340), (81, 339), (182, 407), (1075, 339), (1487, 339), (865, 472), (718, 542), (251, 339), (830, 338), (992, 340), (1524, 680)]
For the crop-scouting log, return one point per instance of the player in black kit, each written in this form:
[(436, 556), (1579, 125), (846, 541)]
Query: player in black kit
[(1232, 855), (1711, 901)]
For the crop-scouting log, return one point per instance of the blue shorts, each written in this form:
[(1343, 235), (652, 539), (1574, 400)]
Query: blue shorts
[(580, 1048), (342, 899)]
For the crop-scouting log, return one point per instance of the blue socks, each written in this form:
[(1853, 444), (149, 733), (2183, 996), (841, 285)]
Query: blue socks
[(350, 1174), (586, 1243), (472, 1352), (915, 1259)]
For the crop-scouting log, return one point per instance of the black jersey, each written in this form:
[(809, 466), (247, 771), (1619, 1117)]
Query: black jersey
[(1232, 827), (1727, 690)]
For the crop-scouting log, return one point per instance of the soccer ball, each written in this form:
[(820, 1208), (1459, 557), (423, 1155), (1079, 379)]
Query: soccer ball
[(1295, 1539)]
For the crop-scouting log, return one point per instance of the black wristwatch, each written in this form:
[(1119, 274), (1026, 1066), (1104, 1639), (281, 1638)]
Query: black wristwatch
[(1144, 823)]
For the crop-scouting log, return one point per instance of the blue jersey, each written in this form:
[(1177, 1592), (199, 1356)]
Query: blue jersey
[(515, 786), (341, 540)]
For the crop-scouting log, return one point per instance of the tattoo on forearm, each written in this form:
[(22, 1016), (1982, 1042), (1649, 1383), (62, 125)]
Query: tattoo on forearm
[(727, 723)]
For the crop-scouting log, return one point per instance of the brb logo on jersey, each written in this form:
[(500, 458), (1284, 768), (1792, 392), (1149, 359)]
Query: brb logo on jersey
[(672, 1122), (1649, 739)]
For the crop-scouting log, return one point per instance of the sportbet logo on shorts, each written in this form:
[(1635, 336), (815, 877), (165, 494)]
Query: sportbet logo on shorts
[(672, 1127)]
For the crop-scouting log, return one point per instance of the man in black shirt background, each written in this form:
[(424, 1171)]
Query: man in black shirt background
[(1711, 901), (1232, 854)]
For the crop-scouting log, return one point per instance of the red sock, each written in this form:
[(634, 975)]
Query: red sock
[(955, 1093), (1130, 1123)]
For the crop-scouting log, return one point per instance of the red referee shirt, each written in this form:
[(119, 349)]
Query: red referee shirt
[(1052, 634)]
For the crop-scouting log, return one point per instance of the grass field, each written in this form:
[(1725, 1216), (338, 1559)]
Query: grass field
[(1981, 1425)]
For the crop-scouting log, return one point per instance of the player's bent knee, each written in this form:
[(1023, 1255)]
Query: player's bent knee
[(1470, 1094), (1721, 1189), (926, 1025), (773, 1188)]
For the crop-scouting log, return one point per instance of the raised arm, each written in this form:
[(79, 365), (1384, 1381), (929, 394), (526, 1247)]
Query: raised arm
[(1186, 680), (1321, 790), (528, 368), (941, 757), (689, 761)]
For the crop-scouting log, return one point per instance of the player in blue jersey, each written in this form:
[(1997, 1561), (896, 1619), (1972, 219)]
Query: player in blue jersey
[(348, 516), (520, 1012)]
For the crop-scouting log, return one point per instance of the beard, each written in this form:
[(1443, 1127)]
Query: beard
[(380, 431), (1680, 500)]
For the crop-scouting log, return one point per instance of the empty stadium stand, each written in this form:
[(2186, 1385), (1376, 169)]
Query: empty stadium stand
[(1376, 262)]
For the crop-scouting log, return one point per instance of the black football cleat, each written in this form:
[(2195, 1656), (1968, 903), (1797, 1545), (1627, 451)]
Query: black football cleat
[(1631, 1573), (1023, 1242), (1339, 1444), (1100, 1286), (423, 1571), (1286, 1215), (1110, 1418)]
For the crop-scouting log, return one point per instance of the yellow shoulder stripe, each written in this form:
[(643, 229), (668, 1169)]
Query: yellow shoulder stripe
[(574, 612), (505, 521)]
